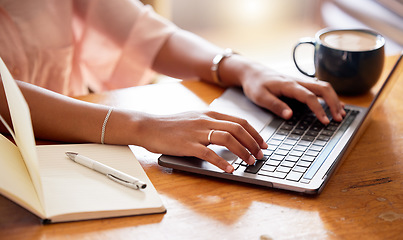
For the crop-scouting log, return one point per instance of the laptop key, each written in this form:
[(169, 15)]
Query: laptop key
[(308, 158), (319, 143), (298, 132), (312, 133), (272, 162), (286, 147), (271, 147), (316, 148), (290, 141), (281, 175), (332, 127), (281, 152), (294, 176), (323, 138), (300, 169), (255, 167), (308, 138), (284, 169), (317, 126), (283, 132), (287, 127), (278, 137), (327, 133), (292, 158), (312, 153), (267, 152), (304, 143), (293, 137), (304, 163), (277, 157), (288, 164), (300, 148), (296, 153), (268, 168), (274, 142)]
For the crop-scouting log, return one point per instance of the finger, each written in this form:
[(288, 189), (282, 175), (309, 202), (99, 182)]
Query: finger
[(294, 90), (240, 135), (227, 140), (326, 91), (252, 131), (275, 105), (311, 100), (209, 155)]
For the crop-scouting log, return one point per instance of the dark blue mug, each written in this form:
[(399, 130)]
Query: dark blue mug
[(351, 60)]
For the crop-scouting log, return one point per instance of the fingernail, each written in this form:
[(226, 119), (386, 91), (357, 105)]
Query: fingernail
[(287, 113), (264, 145), (229, 169), (251, 160), (260, 155), (326, 120), (343, 112)]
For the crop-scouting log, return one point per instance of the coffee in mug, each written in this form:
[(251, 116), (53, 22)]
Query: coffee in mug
[(351, 60)]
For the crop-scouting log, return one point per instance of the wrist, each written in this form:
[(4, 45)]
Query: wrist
[(234, 69), (216, 64), (123, 127)]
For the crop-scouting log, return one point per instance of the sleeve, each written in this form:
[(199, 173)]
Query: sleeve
[(116, 42)]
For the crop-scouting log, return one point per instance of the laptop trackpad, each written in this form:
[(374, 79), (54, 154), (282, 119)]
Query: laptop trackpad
[(223, 152), (195, 164)]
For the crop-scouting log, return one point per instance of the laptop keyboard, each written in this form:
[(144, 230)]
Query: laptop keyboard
[(299, 146)]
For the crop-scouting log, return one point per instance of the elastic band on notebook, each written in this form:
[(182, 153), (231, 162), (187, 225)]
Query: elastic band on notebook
[(104, 125)]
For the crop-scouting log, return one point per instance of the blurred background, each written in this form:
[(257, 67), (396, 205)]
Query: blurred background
[(267, 30)]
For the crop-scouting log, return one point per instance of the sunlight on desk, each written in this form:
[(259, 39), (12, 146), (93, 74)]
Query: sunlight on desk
[(192, 224), (163, 98)]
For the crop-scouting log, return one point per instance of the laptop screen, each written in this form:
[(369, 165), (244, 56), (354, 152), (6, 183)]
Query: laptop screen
[(386, 87)]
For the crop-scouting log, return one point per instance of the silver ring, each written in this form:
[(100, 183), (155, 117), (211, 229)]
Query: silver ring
[(209, 136)]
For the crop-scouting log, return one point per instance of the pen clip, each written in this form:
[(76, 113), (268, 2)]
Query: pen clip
[(123, 182)]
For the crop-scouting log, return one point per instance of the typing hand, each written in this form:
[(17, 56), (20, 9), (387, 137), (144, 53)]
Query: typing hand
[(189, 134), (264, 87)]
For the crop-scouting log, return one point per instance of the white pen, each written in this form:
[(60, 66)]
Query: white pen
[(111, 173)]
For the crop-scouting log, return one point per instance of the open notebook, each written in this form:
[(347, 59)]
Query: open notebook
[(44, 181)]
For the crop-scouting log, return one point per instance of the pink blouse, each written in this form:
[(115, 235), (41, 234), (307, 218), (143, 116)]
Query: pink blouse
[(71, 46)]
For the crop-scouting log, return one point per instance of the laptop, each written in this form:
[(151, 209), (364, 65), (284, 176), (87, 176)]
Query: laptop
[(302, 153)]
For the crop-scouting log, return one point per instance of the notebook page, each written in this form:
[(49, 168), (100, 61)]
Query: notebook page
[(72, 189), (24, 135), (15, 182)]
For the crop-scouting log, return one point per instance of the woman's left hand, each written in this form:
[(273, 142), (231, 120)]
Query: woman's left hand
[(264, 86)]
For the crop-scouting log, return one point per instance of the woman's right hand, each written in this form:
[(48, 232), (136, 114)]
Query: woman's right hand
[(186, 134)]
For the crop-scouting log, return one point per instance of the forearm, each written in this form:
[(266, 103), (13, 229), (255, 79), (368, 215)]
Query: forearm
[(60, 118), (186, 55), (57, 117)]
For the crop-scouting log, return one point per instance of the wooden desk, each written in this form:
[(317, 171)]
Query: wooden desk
[(363, 200)]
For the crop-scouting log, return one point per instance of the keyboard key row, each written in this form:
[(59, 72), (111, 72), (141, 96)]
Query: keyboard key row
[(292, 150)]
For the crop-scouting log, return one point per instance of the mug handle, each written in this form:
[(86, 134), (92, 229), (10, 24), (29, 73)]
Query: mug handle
[(303, 41)]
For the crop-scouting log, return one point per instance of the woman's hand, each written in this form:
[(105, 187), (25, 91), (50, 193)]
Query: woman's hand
[(186, 134), (260, 84), (264, 86)]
